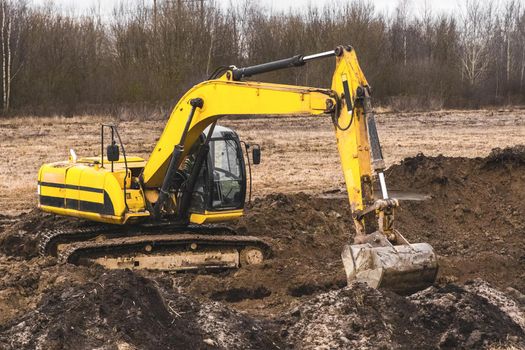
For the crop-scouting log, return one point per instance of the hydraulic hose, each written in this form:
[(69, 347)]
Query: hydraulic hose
[(175, 159)]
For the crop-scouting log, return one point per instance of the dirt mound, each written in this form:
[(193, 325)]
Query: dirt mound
[(510, 156), (121, 309), (84, 308), (18, 235), (23, 283), (474, 217), (306, 235), (471, 317)]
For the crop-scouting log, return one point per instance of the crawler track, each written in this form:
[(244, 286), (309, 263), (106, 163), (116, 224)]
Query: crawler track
[(162, 247)]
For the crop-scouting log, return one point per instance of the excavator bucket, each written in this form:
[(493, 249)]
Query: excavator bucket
[(404, 268)]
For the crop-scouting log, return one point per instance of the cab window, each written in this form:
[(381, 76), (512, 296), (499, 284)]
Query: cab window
[(227, 174)]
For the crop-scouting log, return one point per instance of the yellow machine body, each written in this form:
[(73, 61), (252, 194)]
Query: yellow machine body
[(87, 190), (98, 185)]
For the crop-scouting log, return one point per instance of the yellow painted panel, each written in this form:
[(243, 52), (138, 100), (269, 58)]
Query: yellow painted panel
[(115, 192), (210, 217), (89, 196), (135, 200), (49, 173), (52, 191)]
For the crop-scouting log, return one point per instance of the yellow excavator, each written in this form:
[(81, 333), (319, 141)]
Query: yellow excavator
[(162, 213)]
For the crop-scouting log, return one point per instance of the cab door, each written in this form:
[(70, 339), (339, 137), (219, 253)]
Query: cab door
[(227, 174)]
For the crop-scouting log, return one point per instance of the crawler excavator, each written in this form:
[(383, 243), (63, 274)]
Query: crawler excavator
[(162, 213)]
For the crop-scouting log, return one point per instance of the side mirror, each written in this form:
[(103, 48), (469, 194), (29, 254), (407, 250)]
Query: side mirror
[(256, 155), (113, 153)]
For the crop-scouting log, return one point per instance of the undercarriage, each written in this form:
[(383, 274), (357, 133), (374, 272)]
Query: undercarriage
[(156, 247)]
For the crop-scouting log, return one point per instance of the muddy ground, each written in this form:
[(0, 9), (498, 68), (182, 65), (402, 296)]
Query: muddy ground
[(297, 298)]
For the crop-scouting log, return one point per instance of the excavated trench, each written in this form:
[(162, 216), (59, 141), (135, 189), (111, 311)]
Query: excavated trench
[(473, 217)]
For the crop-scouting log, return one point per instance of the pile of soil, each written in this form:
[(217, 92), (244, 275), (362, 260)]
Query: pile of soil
[(306, 235), (121, 309), (297, 298), (19, 236), (473, 316), (474, 219)]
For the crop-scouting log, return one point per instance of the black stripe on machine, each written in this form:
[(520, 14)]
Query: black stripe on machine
[(349, 106), (71, 187), (99, 208), (72, 203), (52, 201)]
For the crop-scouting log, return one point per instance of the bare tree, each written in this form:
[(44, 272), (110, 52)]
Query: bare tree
[(476, 28), (521, 40), (402, 13), (6, 55), (12, 19), (509, 23)]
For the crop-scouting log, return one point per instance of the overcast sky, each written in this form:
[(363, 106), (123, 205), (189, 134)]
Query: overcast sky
[(81, 6)]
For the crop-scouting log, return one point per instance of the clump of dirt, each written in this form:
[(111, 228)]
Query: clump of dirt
[(18, 236), (508, 156), (23, 283), (453, 316), (473, 315), (355, 317)]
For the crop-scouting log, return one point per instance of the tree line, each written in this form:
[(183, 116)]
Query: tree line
[(149, 55)]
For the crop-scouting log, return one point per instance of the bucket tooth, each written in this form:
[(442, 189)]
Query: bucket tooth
[(403, 269)]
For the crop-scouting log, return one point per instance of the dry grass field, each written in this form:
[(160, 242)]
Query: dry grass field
[(299, 154)]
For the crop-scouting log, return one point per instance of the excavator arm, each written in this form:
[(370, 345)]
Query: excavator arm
[(205, 103)]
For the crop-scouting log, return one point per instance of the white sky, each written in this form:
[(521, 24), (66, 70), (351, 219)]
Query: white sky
[(81, 6)]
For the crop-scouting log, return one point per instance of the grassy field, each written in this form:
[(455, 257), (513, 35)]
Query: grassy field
[(298, 154)]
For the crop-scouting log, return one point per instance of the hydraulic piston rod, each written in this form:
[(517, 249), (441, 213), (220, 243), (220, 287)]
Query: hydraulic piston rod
[(295, 61)]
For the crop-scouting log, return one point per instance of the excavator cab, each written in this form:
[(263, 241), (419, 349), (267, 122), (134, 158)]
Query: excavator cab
[(218, 193), (221, 183)]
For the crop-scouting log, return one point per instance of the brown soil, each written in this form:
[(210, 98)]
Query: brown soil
[(83, 309), (296, 298)]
